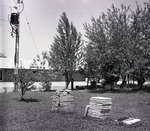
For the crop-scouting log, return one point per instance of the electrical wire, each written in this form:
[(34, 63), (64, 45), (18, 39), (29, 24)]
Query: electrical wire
[(14, 2), (29, 27), (1, 19), (31, 33)]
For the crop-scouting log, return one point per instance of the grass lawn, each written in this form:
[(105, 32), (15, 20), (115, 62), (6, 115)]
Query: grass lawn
[(37, 115)]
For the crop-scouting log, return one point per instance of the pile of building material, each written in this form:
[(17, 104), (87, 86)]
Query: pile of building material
[(98, 107), (63, 101), (128, 121)]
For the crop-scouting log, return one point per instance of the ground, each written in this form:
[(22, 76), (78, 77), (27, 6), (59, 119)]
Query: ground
[(37, 115)]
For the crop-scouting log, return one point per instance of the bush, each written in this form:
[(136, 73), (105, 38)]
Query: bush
[(47, 86), (93, 84), (80, 87)]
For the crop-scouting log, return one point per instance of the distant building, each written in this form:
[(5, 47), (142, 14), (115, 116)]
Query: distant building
[(7, 74), (7, 77)]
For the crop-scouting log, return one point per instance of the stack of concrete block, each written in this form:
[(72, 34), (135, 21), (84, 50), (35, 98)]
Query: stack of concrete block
[(67, 103), (99, 107), (64, 101)]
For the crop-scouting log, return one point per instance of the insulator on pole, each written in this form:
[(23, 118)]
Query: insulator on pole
[(14, 18), (18, 1)]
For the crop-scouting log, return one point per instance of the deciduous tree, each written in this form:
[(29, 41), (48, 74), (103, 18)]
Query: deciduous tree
[(65, 52)]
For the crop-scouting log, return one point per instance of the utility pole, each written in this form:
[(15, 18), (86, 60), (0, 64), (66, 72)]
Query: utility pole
[(15, 24)]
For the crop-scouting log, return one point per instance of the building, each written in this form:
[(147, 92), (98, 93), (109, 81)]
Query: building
[(7, 77)]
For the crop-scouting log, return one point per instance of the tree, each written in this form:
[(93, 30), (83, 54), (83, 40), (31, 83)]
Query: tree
[(119, 41), (40, 61), (25, 79), (65, 52), (108, 37), (139, 36)]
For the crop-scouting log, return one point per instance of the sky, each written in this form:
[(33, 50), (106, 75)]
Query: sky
[(39, 21)]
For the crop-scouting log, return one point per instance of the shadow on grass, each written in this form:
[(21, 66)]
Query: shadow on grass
[(147, 90), (130, 88), (49, 91), (113, 91), (27, 100)]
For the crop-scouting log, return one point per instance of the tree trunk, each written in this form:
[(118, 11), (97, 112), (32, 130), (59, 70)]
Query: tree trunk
[(67, 83), (16, 84), (67, 79), (141, 80), (140, 84), (128, 79), (71, 80), (87, 82), (72, 84), (22, 93), (123, 81)]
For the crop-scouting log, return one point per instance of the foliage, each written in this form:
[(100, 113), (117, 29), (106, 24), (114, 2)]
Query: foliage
[(139, 37), (108, 36), (65, 52), (25, 79), (47, 86), (40, 61), (46, 79), (119, 41)]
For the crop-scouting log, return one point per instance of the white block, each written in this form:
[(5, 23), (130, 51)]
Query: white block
[(130, 121), (101, 98)]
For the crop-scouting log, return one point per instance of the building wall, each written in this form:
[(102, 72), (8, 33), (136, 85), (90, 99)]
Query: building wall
[(6, 87), (7, 74), (7, 77)]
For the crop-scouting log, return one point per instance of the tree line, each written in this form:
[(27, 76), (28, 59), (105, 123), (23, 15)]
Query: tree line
[(118, 42)]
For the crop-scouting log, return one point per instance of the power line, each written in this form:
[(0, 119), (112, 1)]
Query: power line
[(30, 30), (14, 2), (31, 33), (1, 19)]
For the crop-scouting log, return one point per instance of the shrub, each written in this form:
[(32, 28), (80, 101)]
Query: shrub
[(47, 85)]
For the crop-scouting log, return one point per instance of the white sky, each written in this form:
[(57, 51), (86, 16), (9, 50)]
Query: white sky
[(43, 16)]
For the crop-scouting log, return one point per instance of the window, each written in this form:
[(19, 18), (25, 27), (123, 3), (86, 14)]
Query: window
[(1, 77), (34, 72)]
